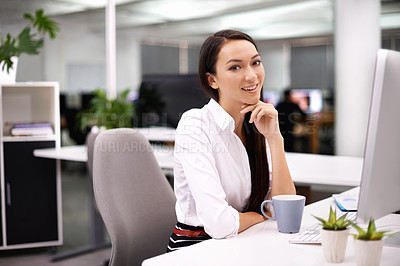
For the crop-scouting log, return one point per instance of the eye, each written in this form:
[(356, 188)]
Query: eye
[(257, 63), (234, 67)]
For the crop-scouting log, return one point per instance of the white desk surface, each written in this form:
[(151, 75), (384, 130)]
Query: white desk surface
[(262, 244), (158, 133), (325, 169), (163, 154), (304, 168)]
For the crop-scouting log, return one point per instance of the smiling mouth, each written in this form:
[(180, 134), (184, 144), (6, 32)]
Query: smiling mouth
[(252, 88)]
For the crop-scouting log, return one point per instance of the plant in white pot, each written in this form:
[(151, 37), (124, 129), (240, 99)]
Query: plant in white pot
[(334, 235), (27, 42), (368, 244)]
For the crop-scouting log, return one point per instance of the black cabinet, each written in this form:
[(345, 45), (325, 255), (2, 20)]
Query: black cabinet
[(30, 187), (30, 193), (1, 219)]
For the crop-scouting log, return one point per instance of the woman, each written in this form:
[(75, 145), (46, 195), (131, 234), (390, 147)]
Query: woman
[(229, 155)]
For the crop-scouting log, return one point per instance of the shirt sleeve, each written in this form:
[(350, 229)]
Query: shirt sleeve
[(193, 150)]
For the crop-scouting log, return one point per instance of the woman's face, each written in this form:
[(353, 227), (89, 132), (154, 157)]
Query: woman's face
[(239, 74)]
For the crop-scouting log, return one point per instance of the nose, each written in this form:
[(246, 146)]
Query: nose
[(250, 75)]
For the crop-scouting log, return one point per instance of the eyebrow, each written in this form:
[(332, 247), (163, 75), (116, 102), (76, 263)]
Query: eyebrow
[(238, 60)]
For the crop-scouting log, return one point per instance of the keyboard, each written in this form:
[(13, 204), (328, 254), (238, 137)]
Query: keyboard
[(311, 234)]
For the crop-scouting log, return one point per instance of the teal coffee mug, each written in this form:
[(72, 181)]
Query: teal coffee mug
[(288, 212)]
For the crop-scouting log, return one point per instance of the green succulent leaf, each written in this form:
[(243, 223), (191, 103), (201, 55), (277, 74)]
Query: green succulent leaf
[(334, 223), (370, 233)]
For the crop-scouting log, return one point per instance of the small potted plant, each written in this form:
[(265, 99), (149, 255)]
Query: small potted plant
[(108, 113), (368, 244), (334, 235)]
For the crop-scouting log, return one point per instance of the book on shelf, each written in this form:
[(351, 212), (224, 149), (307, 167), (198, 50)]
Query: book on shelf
[(31, 129)]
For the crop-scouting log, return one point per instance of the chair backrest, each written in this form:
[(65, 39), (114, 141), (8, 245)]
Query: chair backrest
[(90, 139), (133, 196)]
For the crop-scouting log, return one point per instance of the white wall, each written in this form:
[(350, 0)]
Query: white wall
[(75, 44)]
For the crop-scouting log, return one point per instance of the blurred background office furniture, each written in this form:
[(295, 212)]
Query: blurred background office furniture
[(133, 196), (30, 192), (163, 98), (68, 116)]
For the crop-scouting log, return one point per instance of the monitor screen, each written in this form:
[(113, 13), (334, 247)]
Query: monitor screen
[(163, 98), (380, 182), (272, 96), (309, 100)]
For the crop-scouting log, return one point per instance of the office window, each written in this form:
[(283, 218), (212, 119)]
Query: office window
[(386, 44), (193, 56), (160, 59), (312, 67), (398, 44), (85, 77)]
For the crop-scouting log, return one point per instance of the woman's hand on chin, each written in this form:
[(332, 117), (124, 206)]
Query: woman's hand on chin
[(265, 117)]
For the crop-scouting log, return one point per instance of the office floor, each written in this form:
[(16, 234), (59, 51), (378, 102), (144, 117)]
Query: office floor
[(75, 186)]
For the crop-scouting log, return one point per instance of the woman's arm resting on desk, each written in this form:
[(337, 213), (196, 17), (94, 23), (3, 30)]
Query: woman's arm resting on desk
[(248, 219)]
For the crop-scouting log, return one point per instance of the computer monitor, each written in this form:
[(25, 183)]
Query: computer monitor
[(309, 100), (163, 98), (271, 96), (380, 183)]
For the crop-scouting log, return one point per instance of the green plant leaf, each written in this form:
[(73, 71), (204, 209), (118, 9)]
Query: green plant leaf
[(43, 23), (8, 49), (323, 221), (370, 233), (27, 42), (110, 113), (371, 227), (333, 223), (332, 216)]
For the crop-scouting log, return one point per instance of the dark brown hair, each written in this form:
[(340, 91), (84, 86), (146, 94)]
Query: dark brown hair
[(255, 142)]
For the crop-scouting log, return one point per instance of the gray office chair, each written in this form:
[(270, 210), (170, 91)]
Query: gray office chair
[(133, 196), (90, 139), (97, 232)]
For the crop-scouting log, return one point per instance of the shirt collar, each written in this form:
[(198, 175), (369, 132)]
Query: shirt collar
[(221, 117)]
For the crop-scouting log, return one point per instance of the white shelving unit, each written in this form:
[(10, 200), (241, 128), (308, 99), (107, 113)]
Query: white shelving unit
[(30, 194)]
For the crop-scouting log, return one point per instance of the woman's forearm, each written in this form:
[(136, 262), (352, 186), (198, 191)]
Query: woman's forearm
[(248, 219), (281, 180)]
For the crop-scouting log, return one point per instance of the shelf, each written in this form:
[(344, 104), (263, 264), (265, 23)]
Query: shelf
[(28, 138), (31, 183)]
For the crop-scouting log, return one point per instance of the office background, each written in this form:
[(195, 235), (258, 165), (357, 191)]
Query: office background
[(296, 40)]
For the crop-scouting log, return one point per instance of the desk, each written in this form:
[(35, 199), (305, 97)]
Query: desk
[(304, 168), (262, 244), (164, 154), (325, 169)]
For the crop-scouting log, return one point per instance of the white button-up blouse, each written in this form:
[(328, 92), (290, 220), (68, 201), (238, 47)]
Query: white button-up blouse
[(211, 171)]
